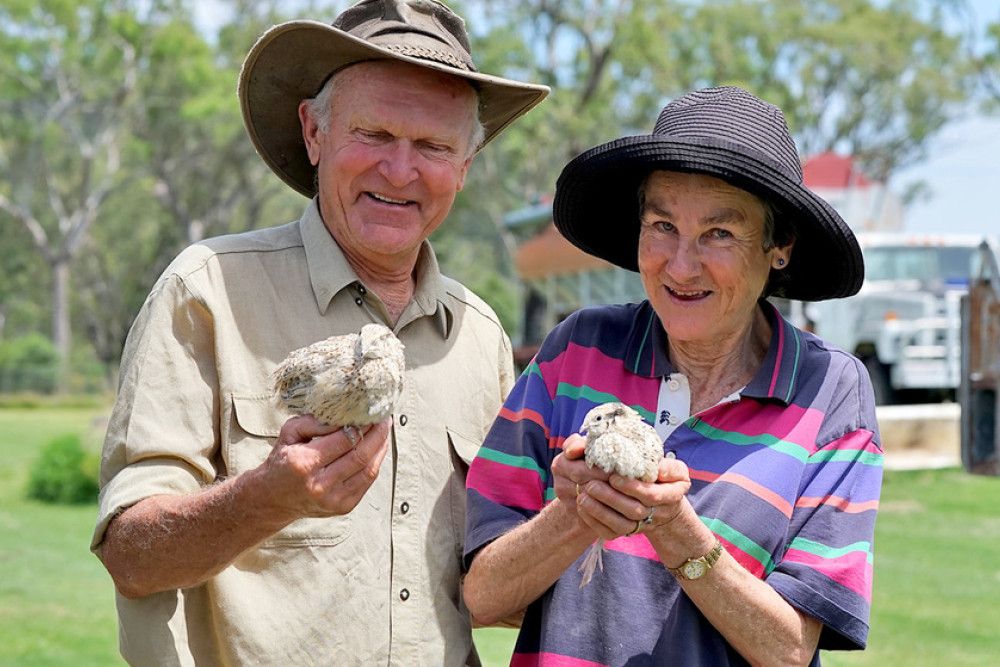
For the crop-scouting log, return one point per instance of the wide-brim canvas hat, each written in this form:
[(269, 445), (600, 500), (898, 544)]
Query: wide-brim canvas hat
[(724, 132), (291, 62)]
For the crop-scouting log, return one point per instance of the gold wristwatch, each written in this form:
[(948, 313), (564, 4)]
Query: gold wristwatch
[(695, 568)]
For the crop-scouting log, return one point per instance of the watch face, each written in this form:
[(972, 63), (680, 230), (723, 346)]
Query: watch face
[(694, 569)]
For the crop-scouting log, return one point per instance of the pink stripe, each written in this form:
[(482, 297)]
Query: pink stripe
[(637, 545), (777, 362), (860, 440), (549, 660), (524, 415), (748, 484), (844, 569), (840, 503), (581, 366), (793, 424), (506, 485)]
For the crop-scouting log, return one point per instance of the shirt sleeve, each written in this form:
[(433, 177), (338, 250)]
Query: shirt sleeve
[(827, 568), (161, 437)]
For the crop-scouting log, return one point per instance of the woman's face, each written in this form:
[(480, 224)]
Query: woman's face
[(701, 256)]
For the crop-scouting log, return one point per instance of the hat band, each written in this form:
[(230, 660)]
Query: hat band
[(424, 53)]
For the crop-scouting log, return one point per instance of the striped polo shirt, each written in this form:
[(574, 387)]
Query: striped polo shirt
[(787, 474)]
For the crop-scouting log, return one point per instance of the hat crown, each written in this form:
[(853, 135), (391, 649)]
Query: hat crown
[(424, 29), (733, 115)]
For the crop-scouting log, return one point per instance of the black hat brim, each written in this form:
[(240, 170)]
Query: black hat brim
[(596, 207)]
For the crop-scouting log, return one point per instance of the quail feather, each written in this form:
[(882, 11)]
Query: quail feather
[(349, 380), (618, 441)]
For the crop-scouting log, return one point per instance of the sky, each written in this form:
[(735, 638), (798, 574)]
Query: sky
[(963, 174)]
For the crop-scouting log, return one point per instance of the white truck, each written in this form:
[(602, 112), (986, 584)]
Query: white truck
[(905, 323)]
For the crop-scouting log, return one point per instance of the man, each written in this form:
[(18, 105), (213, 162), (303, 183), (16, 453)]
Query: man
[(234, 536)]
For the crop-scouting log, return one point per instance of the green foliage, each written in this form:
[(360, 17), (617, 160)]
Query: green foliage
[(63, 473), (28, 363)]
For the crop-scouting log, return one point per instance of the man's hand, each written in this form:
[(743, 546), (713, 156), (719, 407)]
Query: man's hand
[(314, 470)]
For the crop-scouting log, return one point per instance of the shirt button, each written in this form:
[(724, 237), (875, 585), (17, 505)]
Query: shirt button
[(402, 420), (404, 595), (673, 385), (358, 300), (674, 419), (404, 508), (670, 455), (362, 290)]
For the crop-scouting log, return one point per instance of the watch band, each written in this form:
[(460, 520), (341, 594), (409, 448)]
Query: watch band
[(695, 568)]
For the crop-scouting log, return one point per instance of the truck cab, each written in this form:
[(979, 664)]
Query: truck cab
[(905, 323)]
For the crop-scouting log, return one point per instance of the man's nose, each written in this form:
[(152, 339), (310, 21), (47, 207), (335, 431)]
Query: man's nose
[(399, 163)]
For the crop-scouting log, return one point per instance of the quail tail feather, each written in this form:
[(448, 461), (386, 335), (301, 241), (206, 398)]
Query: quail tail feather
[(594, 560)]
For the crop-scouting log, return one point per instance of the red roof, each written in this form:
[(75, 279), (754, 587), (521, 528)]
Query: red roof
[(829, 170)]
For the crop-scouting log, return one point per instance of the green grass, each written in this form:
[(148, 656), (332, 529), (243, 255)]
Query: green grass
[(56, 600), (937, 566)]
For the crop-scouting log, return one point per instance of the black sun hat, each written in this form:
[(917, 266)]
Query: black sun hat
[(723, 132), (291, 61)]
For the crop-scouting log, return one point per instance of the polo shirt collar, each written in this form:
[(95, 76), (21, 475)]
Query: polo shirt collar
[(330, 272), (646, 354)]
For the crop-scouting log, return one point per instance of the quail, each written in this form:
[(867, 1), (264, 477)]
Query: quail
[(349, 380), (618, 441)]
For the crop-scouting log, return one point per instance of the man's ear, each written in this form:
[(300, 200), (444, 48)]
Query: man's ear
[(310, 132), (465, 170)]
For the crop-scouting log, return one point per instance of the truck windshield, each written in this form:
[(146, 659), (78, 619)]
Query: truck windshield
[(924, 263)]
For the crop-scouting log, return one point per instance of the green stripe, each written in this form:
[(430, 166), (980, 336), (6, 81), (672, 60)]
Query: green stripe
[(824, 551), (522, 462), (589, 393), (741, 541), (550, 494), (795, 364), (840, 455), (533, 369), (733, 438), (642, 343)]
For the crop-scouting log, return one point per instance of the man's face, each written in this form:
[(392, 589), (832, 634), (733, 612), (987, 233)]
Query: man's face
[(394, 156)]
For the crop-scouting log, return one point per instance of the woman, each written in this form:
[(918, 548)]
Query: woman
[(754, 544)]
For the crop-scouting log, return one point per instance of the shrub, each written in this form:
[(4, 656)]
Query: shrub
[(28, 363), (64, 473)]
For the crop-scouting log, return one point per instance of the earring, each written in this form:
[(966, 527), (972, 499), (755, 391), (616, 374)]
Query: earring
[(781, 262)]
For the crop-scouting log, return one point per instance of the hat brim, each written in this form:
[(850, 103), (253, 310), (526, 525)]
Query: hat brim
[(596, 207), (291, 61)]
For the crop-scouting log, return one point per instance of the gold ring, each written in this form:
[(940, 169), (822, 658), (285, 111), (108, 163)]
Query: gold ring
[(649, 517), (638, 526), (578, 489)]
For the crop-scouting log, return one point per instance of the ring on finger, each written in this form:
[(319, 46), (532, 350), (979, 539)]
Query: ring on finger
[(578, 489), (649, 517), (638, 526)]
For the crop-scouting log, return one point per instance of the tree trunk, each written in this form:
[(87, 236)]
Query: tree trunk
[(60, 319)]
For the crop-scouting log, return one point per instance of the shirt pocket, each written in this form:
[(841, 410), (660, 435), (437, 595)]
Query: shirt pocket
[(254, 424)]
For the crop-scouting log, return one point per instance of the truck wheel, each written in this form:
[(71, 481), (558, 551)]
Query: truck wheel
[(879, 374)]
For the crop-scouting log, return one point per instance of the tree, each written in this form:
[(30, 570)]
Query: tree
[(67, 75)]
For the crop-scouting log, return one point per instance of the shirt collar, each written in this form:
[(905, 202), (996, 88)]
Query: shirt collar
[(646, 354), (778, 374), (330, 272)]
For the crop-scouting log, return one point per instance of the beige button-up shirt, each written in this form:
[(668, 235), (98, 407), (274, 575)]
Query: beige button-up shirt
[(379, 586)]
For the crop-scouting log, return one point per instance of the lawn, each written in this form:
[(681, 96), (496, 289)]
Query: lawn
[(937, 567)]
